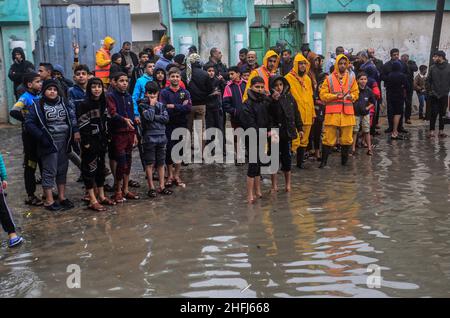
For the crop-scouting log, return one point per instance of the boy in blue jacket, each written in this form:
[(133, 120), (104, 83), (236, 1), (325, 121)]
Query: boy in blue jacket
[(154, 117), (139, 89), (5, 214), (33, 84), (179, 104)]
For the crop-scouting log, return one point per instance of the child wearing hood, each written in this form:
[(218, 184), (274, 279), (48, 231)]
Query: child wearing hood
[(53, 123), (255, 114), (18, 69), (286, 117), (91, 116)]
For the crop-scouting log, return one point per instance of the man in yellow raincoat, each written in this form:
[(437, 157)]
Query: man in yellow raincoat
[(103, 60), (266, 71), (302, 90), (339, 92)]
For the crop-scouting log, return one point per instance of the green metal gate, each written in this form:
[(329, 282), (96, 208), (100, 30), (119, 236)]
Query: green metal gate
[(263, 37)]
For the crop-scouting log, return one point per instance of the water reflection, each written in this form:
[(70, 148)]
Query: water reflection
[(390, 210)]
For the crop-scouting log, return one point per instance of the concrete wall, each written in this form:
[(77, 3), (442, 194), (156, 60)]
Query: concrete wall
[(142, 26), (411, 32)]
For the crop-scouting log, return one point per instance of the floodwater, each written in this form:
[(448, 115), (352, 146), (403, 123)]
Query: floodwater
[(388, 213)]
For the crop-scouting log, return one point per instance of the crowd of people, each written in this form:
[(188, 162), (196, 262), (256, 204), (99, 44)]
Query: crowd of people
[(138, 100)]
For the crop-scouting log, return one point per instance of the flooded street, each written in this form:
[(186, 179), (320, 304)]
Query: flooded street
[(391, 210)]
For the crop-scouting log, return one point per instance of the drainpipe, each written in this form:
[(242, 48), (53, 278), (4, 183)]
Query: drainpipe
[(170, 19), (32, 35), (307, 23)]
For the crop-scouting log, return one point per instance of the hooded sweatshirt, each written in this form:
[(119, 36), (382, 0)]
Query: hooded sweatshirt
[(139, 91), (18, 70), (302, 90), (263, 71), (339, 119), (438, 80), (284, 112), (396, 83)]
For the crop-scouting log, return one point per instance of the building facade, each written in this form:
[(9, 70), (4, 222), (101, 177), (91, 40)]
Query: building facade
[(208, 24), (17, 29), (381, 24), (145, 22)]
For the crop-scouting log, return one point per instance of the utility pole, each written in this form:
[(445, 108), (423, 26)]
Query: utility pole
[(440, 4)]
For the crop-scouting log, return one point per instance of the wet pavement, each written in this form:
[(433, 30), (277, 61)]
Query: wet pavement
[(391, 210)]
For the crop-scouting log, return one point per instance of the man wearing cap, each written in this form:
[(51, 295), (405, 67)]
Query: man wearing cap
[(168, 53), (438, 87)]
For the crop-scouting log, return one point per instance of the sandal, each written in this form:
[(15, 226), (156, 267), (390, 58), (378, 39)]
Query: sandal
[(442, 135), (179, 183), (97, 207), (34, 201), (370, 152), (107, 201), (165, 191), (134, 184), (152, 193), (118, 197), (131, 196), (86, 198), (169, 183)]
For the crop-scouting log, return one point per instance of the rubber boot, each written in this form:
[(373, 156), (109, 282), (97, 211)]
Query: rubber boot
[(326, 150), (344, 154), (300, 158)]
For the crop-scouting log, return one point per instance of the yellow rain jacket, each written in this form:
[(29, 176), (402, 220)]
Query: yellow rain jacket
[(103, 60), (263, 72), (340, 119), (302, 90)]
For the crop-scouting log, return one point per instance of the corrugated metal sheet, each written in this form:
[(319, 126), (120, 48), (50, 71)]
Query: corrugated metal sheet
[(55, 38)]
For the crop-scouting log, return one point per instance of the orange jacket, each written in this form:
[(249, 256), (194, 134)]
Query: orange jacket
[(103, 60)]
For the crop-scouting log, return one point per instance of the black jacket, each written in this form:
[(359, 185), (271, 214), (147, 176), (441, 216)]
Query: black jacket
[(366, 97), (285, 68), (256, 112), (387, 69), (396, 83), (284, 113), (438, 80), (116, 68), (18, 70), (92, 117), (134, 58), (200, 86), (411, 68), (214, 102), (220, 69)]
